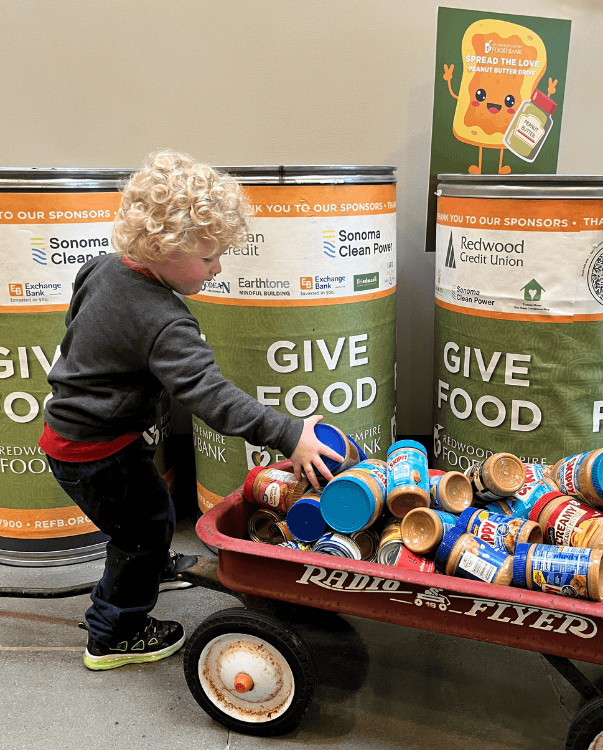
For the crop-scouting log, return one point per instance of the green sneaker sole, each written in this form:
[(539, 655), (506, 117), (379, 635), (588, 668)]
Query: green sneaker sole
[(96, 663)]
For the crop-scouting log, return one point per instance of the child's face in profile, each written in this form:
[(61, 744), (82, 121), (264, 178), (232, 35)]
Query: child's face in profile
[(186, 272)]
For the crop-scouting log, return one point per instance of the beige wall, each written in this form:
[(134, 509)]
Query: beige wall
[(100, 83)]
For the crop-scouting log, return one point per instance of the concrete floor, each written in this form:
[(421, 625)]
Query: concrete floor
[(379, 686)]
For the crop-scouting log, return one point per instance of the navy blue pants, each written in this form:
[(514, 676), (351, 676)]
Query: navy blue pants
[(127, 498)]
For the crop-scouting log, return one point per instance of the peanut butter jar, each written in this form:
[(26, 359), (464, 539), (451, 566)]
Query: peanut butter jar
[(407, 477), (568, 571), (450, 492), (568, 521), (422, 529), (273, 488), (499, 475), (501, 531), (581, 476), (464, 555)]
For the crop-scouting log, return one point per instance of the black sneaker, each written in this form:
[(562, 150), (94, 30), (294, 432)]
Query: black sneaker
[(171, 578), (157, 640)]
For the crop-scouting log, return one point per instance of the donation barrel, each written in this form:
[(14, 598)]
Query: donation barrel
[(303, 316), (51, 222), (518, 318)]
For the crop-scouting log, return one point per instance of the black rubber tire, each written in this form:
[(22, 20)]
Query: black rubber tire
[(279, 636), (586, 725)]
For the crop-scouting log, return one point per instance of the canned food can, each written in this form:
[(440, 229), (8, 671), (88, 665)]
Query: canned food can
[(280, 532), (368, 541), (259, 523), (390, 540), (339, 545), (407, 477)]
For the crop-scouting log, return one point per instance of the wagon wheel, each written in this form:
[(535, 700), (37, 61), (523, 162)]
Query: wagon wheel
[(586, 730), (249, 672)]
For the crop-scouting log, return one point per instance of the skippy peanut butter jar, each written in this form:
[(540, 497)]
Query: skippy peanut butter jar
[(464, 555), (407, 477)]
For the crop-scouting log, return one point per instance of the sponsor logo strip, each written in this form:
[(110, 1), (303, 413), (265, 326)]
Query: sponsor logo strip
[(271, 302)]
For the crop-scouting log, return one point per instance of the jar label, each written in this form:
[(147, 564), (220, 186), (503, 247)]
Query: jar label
[(529, 129), (496, 529), (561, 570), (568, 475), (572, 524), (407, 466), (476, 567)]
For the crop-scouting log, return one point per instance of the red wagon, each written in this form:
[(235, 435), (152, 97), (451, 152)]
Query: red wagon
[(250, 671)]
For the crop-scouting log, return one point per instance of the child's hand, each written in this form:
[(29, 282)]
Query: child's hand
[(307, 454)]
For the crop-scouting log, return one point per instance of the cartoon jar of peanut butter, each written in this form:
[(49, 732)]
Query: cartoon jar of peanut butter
[(502, 65)]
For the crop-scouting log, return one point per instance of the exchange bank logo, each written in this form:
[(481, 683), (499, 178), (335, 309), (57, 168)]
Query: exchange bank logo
[(15, 290), (450, 261), (328, 243), (38, 250), (306, 283)]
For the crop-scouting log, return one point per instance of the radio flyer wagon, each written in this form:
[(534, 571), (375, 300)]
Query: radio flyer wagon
[(249, 670)]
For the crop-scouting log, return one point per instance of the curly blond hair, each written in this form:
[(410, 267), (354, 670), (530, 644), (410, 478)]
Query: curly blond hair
[(173, 201)]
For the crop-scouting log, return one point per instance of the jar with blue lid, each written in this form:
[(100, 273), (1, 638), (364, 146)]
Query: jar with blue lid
[(569, 571), (354, 500), (304, 519), (464, 555), (342, 444), (407, 477), (422, 529), (501, 531)]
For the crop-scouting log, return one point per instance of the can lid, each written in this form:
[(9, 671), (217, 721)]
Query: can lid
[(465, 517), (519, 564), (446, 545), (597, 475), (542, 501), (248, 486), (347, 504), (332, 437), (406, 444), (305, 521)]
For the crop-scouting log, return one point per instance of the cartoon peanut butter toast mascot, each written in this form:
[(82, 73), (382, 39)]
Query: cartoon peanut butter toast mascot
[(502, 65)]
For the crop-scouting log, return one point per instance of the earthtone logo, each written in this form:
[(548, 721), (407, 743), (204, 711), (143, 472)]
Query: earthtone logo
[(594, 277)]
